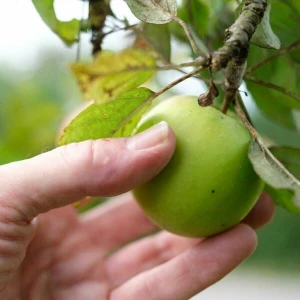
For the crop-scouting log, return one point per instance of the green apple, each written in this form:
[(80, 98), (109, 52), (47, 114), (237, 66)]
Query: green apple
[(209, 185)]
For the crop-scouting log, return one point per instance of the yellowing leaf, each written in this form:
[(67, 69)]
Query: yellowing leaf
[(113, 74), (113, 119)]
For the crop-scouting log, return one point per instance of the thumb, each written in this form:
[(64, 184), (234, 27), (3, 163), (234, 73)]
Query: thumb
[(104, 167)]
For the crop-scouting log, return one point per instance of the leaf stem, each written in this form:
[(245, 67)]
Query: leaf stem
[(179, 80), (272, 86), (189, 35), (242, 114), (195, 63), (293, 46)]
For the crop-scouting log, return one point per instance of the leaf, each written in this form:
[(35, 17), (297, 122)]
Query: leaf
[(285, 19), (283, 72), (113, 74), (114, 119), (67, 31), (264, 36), (153, 11), (160, 39), (289, 157), (282, 185), (199, 13)]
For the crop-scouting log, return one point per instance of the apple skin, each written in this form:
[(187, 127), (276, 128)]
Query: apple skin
[(209, 185)]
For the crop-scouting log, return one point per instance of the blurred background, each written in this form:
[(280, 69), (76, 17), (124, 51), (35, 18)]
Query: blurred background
[(37, 91)]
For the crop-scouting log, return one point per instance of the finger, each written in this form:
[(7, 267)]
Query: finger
[(262, 213), (93, 168), (159, 248), (149, 252), (119, 213), (192, 271)]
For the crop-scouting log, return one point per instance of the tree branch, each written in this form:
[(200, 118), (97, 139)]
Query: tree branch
[(98, 11), (179, 80), (272, 86), (293, 46), (238, 36), (233, 55)]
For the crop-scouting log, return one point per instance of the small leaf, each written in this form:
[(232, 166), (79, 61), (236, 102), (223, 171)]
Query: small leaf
[(289, 157), (114, 119), (207, 98), (199, 13), (264, 36), (112, 74), (153, 11), (281, 184), (67, 31), (283, 72), (160, 39)]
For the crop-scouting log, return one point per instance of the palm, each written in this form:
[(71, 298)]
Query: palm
[(71, 257), (66, 257)]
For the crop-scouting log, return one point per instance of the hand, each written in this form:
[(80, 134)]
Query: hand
[(47, 251)]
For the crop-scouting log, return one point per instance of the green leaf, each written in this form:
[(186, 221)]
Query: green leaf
[(114, 119), (153, 11), (281, 184), (285, 20), (113, 74), (160, 39), (264, 36), (199, 12), (289, 157), (283, 72), (67, 31)]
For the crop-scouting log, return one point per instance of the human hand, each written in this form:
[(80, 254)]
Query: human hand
[(47, 251)]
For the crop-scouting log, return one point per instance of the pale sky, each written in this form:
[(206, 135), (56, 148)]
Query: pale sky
[(24, 36)]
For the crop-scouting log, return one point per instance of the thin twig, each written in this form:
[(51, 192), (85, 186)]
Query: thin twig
[(189, 35), (272, 86), (117, 29), (154, 68), (293, 46), (160, 92), (179, 80), (240, 111)]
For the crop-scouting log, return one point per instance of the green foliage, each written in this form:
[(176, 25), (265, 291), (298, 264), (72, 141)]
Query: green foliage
[(158, 36), (264, 36), (111, 79), (290, 157), (116, 118), (282, 185), (67, 31), (32, 109), (283, 72), (198, 12)]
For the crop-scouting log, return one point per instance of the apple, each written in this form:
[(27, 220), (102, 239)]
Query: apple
[(209, 185)]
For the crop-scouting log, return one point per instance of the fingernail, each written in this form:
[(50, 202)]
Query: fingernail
[(149, 138)]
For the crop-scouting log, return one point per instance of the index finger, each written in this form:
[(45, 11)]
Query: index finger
[(93, 168)]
